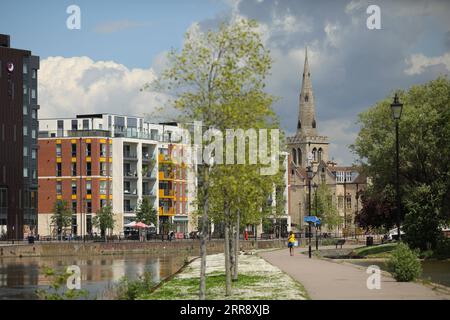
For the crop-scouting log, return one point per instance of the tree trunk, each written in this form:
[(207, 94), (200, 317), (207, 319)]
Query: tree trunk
[(232, 241), (203, 236), (227, 256), (236, 247)]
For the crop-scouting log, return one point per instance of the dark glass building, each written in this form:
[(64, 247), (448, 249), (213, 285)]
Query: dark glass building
[(18, 141)]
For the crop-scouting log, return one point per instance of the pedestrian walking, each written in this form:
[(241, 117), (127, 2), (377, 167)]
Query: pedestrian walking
[(291, 241)]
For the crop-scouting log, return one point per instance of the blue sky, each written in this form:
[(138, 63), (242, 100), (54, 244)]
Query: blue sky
[(122, 44), (139, 29)]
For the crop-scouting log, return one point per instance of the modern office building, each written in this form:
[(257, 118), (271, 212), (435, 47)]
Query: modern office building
[(18, 141), (99, 159)]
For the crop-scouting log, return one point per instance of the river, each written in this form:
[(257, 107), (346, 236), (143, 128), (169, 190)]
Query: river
[(21, 277)]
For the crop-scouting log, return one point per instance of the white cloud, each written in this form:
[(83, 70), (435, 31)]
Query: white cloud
[(289, 23), (69, 86), (332, 32), (419, 62), (341, 135)]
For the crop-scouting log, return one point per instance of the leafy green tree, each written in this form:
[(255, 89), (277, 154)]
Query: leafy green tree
[(57, 289), (218, 78), (326, 208), (424, 135), (104, 220), (146, 212), (62, 216)]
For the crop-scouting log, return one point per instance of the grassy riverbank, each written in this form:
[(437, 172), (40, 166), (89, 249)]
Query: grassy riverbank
[(257, 280)]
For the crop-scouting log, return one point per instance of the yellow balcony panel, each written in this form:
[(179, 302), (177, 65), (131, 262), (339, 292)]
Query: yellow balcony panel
[(74, 159), (110, 141), (58, 140), (58, 159), (164, 177), (102, 159), (110, 197), (102, 140), (89, 196), (110, 160), (103, 196), (169, 212), (88, 140), (163, 158), (73, 141), (59, 197), (74, 197), (166, 194), (58, 179), (88, 159)]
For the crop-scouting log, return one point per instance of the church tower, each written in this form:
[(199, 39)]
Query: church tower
[(307, 148)]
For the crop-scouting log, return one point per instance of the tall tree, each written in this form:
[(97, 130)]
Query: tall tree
[(424, 135), (146, 212), (62, 216), (218, 78), (326, 207), (104, 220)]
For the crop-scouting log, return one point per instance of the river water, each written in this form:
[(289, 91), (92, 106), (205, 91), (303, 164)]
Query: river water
[(20, 277)]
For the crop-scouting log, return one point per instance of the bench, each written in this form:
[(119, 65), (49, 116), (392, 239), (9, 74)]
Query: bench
[(340, 242)]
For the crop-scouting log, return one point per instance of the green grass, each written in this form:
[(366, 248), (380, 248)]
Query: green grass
[(378, 251)]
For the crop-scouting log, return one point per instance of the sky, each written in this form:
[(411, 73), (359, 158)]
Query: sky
[(122, 45)]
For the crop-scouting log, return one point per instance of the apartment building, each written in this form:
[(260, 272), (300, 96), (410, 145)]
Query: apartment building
[(129, 158), (18, 141)]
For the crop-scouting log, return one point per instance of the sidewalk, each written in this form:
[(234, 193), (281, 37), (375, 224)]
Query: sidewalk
[(327, 280)]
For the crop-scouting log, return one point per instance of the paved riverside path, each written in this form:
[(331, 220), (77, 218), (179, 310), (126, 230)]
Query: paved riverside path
[(328, 280)]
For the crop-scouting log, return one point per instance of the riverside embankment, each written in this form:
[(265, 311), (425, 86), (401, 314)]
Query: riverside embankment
[(182, 247)]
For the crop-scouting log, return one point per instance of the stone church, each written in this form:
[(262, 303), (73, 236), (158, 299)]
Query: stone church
[(307, 148)]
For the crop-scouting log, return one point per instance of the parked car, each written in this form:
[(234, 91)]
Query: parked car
[(393, 234)]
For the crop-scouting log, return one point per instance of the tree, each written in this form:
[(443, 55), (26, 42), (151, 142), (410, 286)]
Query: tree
[(218, 78), (326, 208), (104, 220), (62, 216), (424, 135), (146, 212)]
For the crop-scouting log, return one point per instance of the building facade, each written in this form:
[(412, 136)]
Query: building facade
[(308, 148), (105, 159), (18, 141)]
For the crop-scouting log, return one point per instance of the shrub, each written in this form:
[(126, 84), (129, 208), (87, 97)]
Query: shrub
[(132, 289), (404, 265)]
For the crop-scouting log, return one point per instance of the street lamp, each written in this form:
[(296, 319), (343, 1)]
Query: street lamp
[(397, 108), (315, 205), (310, 175)]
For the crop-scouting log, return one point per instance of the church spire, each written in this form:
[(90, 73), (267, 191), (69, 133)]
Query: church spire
[(307, 115)]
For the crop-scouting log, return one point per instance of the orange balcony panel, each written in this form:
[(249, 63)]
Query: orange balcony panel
[(162, 176), (166, 194), (169, 212)]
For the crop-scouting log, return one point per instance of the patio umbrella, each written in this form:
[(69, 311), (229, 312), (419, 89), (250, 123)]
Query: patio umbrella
[(132, 224), (141, 225)]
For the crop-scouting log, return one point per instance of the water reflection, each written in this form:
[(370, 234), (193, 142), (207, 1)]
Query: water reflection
[(20, 277)]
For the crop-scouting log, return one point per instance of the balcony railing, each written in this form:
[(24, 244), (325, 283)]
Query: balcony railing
[(129, 155), (166, 193), (164, 176), (166, 212), (74, 133), (130, 174), (165, 158)]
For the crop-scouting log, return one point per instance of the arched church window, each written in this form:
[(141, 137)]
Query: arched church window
[(306, 97), (314, 123), (299, 156), (319, 155), (294, 156), (314, 152)]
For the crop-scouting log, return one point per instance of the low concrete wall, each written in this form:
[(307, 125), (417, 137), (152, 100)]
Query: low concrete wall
[(110, 248)]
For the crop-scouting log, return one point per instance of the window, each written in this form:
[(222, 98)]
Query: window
[(33, 93), (348, 202), (34, 174), (86, 124), (340, 202), (74, 124), (33, 133), (314, 153), (103, 171), (25, 110), (25, 131), (294, 156), (88, 150), (34, 73), (103, 186), (25, 68), (306, 98), (348, 176), (88, 187), (33, 154), (25, 89), (319, 155), (58, 169), (102, 203), (88, 169), (74, 149), (102, 150), (25, 151), (34, 114), (74, 206), (3, 198), (88, 206), (74, 168), (58, 150), (58, 187), (25, 172), (74, 188)]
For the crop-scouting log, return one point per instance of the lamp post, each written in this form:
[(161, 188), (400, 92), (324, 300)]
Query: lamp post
[(310, 174), (315, 205), (396, 108)]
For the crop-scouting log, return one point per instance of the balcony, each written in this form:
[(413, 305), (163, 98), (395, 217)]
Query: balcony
[(170, 194), (149, 175), (167, 212), (130, 175), (165, 158), (129, 193), (130, 156), (164, 176), (149, 193), (128, 209)]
